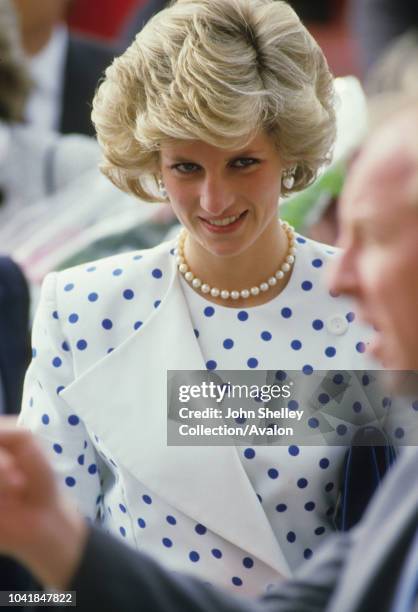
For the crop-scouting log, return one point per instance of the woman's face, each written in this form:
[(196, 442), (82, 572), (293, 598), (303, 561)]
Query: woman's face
[(226, 198)]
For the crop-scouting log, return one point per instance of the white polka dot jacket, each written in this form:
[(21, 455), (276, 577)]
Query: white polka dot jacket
[(104, 336)]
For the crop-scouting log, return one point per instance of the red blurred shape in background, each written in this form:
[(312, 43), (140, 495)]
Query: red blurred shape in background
[(101, 18)]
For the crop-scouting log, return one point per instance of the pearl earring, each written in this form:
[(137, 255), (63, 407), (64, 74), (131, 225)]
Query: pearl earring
[(162, 189), (288, 178)]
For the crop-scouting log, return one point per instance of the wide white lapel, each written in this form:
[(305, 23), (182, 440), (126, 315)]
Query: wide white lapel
[(206, 483)]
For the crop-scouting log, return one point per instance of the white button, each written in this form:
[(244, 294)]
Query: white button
[(337, 325)]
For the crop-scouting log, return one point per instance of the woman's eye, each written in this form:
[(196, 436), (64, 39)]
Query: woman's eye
[(186, 167), (245, 162)]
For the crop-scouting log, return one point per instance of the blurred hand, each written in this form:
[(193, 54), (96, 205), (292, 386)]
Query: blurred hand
[(37, 526)]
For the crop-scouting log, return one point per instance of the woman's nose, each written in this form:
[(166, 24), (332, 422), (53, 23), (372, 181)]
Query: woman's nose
[(216, 197)]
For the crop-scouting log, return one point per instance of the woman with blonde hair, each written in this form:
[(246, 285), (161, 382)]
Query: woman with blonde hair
[(218, 108)]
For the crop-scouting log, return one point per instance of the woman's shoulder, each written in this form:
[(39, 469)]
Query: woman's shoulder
[(119, 286), (133, 266)]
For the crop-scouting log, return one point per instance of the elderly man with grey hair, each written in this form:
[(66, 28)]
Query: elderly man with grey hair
[(372, 568)]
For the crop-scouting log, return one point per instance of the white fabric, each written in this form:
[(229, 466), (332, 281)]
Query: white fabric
[(96, 395), (47, 71)]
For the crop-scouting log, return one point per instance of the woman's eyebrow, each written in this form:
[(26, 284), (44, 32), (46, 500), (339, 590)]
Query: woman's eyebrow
[(184, 158)]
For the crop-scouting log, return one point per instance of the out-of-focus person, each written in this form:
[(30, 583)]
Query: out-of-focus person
[(65, 68), (34, 162), (379, 221)]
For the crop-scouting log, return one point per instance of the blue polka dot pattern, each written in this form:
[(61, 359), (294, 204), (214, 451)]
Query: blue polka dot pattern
[(317, 263), (357, 407), (297, 486)]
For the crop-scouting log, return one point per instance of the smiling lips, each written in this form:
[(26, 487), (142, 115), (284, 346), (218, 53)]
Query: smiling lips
[(225, 224)]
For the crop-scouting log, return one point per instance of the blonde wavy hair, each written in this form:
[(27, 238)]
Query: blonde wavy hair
[(216, 71)]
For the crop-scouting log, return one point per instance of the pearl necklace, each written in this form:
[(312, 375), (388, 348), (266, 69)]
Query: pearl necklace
[(197, 283)]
